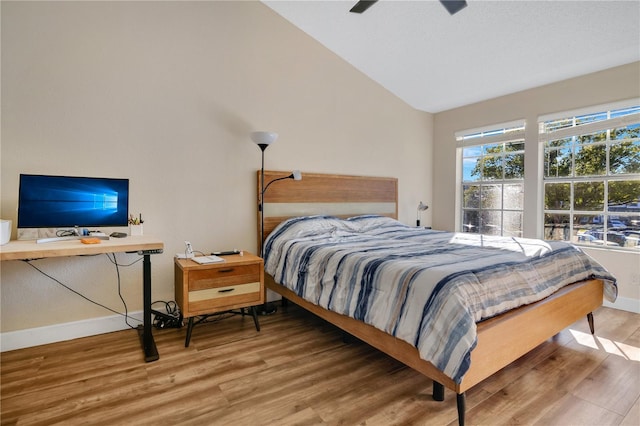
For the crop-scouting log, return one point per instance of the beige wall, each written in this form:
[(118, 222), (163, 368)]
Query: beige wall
[(612, 85), (166, 94)]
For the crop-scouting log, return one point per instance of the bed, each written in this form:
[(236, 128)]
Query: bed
[(361, 213)]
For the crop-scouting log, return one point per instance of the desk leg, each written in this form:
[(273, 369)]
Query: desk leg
[(146, 336)]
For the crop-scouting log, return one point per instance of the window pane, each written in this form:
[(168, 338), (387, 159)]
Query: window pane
[(557, 162), (471, 221), (493, 148), (588, 196), (514, 146), (513, 197), (492, 168), (591, 160), (629, 132), (556, 227), (550, 126), (491, 196), (558, 143), (491, 223), (625, 111), (591, 118), (471, 196), (471, 169), (472, 151), (584, 222), (624, 195), (514, 166), (512, 224), (599, 237), (557, 196), (589, 229), (632, 231), (593, 137), (624, 157)]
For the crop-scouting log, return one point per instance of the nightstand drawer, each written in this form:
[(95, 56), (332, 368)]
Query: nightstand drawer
[(223, 276), (219, 298)]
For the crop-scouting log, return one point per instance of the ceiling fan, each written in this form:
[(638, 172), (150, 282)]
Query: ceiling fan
[(453, 6)]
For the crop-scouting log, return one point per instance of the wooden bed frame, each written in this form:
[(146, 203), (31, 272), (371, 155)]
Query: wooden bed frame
[(501, 340)]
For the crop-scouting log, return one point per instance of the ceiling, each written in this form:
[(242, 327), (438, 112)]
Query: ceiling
[(435, 61)]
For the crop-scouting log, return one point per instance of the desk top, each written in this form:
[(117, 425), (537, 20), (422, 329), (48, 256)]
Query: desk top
[(29, 249)]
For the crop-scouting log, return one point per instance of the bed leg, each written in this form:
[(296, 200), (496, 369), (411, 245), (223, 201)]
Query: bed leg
[(438, 391), (285, 304), (591, 325), (461, 408)]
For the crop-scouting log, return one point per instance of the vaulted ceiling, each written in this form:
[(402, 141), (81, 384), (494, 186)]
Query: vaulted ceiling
[(435, 61)]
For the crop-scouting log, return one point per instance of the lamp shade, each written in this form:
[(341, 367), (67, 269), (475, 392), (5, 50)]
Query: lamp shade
[(264, 138)]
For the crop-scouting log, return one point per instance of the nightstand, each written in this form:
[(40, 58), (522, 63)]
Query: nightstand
[(202, 290)]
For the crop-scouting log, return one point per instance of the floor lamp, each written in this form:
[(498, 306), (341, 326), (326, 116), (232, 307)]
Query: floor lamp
[(263, 140)]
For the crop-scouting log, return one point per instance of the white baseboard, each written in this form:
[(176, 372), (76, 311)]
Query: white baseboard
[(624, 304), (67, 331)]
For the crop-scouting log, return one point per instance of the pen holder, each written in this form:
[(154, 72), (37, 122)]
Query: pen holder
[(135, 230)]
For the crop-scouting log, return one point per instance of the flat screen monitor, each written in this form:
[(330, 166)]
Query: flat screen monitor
[(67, 201)]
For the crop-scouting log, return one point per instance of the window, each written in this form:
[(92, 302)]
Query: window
[(592, 176), (492, 189)]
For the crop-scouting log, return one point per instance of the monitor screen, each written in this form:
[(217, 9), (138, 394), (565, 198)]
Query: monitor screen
[(65, 201)]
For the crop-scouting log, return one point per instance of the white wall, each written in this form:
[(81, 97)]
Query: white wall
[(166, 94), (619, 83)]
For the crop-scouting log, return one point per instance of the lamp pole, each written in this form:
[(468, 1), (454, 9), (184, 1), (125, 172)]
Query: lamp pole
[(261, 203), (263, 140)]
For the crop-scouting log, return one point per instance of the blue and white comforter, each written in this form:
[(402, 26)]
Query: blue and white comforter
[(428, 288)]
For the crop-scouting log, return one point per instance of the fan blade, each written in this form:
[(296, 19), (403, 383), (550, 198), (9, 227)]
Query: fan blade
[(362, 5), (454, 6)]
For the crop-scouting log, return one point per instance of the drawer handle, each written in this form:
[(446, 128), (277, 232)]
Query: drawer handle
[(226, 290), (226, 270)]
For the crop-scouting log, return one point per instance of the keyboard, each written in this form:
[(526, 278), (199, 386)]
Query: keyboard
[(69, 238), (203, 260), (54, 239)]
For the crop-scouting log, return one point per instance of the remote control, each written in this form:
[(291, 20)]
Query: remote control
[(226, 253)]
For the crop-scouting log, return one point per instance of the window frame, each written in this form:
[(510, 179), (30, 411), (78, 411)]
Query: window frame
[(490, 136), (589, 226)]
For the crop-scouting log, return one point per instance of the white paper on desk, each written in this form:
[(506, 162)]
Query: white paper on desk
[(203, 260)]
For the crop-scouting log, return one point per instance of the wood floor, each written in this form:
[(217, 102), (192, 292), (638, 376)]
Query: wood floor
[(298, 370)]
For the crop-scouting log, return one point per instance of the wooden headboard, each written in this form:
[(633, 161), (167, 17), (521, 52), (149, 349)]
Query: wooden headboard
[(337, 195)]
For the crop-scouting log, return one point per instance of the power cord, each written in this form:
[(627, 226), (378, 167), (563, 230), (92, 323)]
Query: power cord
[(126, 310), (171, 318), (29, 262), (66, 233)]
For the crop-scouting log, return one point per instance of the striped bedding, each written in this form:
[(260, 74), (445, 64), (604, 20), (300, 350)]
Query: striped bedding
[(428, 288)]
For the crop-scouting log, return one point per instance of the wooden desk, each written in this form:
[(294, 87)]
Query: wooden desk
[(143, 245)]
